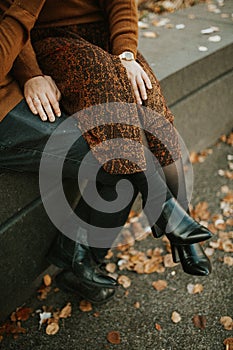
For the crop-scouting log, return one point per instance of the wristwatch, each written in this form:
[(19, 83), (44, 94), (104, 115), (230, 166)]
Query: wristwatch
[(127, 56)]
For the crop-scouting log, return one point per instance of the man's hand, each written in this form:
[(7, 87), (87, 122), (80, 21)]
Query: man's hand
[(138, 78), (42, 96)]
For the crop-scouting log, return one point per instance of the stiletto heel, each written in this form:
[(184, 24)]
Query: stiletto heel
[(175, 254), (193, 259)]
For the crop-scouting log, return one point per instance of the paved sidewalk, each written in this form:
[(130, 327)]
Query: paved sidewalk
[(88, 331)]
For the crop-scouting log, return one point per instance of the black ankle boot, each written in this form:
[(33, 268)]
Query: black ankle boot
[(87, 270), (182, 229), (192, 258), (65, 253), (67, 281)]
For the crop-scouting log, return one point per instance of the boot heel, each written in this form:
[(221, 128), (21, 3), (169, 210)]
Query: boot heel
[(175, 253)]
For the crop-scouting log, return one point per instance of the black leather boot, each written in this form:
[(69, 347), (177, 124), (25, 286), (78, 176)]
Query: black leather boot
[(181, 229), (65, 253), (193, 259), (87, 270), (67, 281)]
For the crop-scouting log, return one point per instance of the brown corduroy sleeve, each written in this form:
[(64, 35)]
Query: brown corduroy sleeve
[(15, 27), (123, 24)]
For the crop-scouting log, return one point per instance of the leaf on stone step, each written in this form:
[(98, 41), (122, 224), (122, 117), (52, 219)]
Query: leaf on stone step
[(47, 280), (150, 35)]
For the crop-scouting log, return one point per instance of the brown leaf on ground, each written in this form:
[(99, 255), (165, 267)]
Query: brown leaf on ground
[(124, 281), (195, 289), (159, 285), (227, 139), (228, 198), (227, 322), (168, 261), (52, 328), (47, 280), (109, 254), (176, 318), (111, 267), (229, 343), (227, 246), (21, 314), (66, 311), (158, 327), (200, 211), (113, 337), (85, 306), (199, 321), (137, 305), (43, 291), (228, 260)]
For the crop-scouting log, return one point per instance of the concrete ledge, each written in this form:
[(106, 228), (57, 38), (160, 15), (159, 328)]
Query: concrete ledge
[(197, 85), (198, 89)]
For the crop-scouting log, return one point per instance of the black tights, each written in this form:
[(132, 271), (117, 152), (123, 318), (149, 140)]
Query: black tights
[(161, 184)]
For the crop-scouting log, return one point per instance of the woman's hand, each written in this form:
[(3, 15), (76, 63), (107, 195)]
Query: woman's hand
[(42, 96), (138, 78)]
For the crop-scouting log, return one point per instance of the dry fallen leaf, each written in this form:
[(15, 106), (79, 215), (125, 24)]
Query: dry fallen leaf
[(150, 35), (124, 281), (159, 285), (113, 337), (21, 314), (229, 343), (194, 289), (199, 321), (47, 280), (168, 261), (158, 327), (66, 311), (137, 305), (85, 306), (227, 322), (228, 260), (111, 267), (52, 328), (44, 317), (175, 317)]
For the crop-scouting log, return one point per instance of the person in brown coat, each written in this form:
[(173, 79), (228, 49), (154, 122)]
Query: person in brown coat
[(90, 51)]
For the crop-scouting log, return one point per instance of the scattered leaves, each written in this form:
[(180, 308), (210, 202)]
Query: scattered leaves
[(229, 343), (85, 306), (176, 318), (227, 322), (158, 327), (47, 280), (228, 260), (159, 285), (52, 328), (124, 281), (66, 311), (113, 337), (199, 321), (195, 289)]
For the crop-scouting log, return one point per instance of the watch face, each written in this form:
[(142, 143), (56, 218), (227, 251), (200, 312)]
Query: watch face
[(129, 56)]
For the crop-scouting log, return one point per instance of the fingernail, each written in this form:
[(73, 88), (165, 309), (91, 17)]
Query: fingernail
[(58, 115)]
